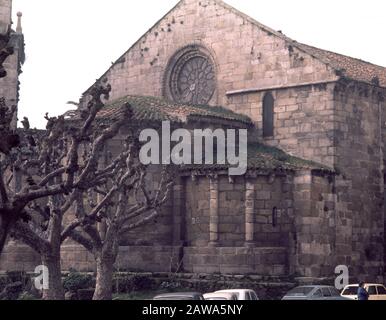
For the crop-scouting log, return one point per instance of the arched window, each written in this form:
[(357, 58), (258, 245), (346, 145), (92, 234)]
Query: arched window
[(268, 115)]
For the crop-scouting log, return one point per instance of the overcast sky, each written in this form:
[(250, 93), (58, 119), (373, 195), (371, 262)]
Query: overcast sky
[(70, 43)]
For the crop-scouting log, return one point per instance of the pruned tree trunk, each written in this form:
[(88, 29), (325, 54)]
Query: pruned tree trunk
[(3, 233), (55, 288), (104, 280)]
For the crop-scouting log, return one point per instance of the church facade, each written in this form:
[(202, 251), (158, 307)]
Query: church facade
[(313, 195)]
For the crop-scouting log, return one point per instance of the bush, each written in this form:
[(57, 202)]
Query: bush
[(171, 285), (127, 284), (4, 281), (77, 281), (12, 291), (85, 294), (16, 276)]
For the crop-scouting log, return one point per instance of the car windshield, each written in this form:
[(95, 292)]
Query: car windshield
[(334, 292), (350, 291), (300, 291)]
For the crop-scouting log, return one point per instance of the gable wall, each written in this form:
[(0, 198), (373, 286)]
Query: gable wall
[(246, 57)]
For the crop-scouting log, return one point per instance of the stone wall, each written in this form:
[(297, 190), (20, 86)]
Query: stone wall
[(133, 258), (314, 234), (5, 15), (269, 193), (298, 238), (303, 120), (197, 215), (9, 86), (360, 187), (236, 260), (18, 257), (231, 212), (273, 228), (5, 22)]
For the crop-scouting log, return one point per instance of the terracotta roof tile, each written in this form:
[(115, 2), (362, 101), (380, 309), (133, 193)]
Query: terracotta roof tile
[(266, 158), (351, 68), (157, 109)]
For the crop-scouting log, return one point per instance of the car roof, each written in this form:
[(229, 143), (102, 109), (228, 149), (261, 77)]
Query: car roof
[(178, 294), (235, 290), (315, 286), (366, 284), (219, 294)]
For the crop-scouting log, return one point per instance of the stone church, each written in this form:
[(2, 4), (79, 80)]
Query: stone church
[(313, 194)]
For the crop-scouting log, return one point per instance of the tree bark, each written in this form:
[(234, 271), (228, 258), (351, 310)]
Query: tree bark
[(55, 287), (4, 229), (104, 279), (3, 235)]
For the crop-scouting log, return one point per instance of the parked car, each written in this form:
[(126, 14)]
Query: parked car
[(376, 291), (242, 294), (180, 296), (314, 293), (220, 296)]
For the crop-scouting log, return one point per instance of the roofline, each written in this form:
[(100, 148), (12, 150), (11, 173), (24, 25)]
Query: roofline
[(251, 20), (349, 79), (135, 43), (289, 41), (221, 171), (279, 87), (267, 29), (344, 55), (220, 120)]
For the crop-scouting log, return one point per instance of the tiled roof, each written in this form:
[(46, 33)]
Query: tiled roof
[(348, 67), (266, 158), (156, 109)]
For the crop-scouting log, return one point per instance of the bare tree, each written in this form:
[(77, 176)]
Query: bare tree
[(10, 211), (122, 205), (45, 175), (51, 169)]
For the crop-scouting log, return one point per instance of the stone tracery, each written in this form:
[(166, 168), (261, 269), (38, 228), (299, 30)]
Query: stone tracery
[(191, 77)]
